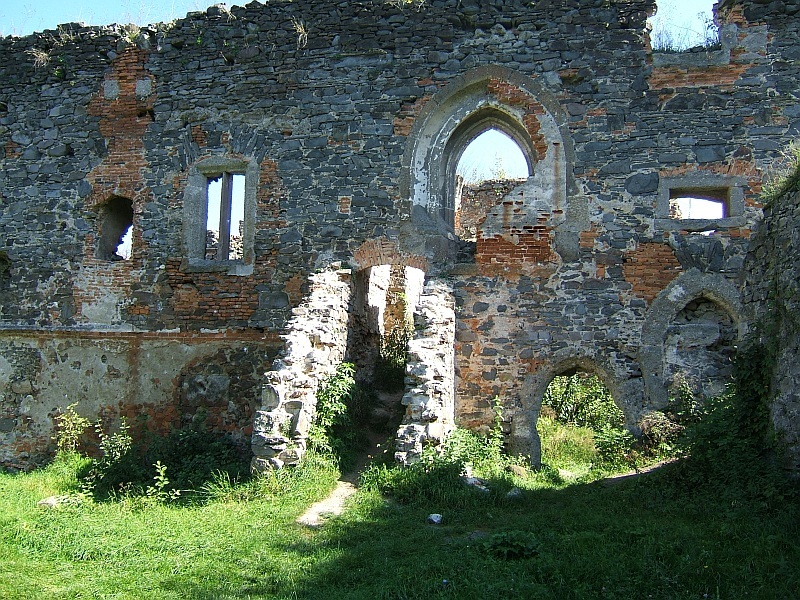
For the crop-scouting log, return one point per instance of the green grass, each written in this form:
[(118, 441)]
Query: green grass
[(649, 537)]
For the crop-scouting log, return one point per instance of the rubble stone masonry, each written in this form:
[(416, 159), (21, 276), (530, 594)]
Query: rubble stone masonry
[(347, 138)]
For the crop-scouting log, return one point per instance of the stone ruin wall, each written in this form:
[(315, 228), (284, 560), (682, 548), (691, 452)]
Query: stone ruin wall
[(772, 297), (346, 119)]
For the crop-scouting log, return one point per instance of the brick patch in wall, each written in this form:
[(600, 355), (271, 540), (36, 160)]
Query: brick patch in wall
[(650, 268), (383, 251)]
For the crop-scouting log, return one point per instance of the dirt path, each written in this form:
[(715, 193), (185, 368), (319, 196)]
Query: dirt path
[(331, 506), (347, 485)]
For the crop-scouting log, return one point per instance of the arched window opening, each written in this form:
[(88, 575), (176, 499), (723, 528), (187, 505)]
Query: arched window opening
[(580, 426), (115, 223), (489, 143), (493, 155), (699, 349), (491, 165)]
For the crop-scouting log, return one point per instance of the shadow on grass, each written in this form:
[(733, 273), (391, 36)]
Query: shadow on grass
[(645, 538)]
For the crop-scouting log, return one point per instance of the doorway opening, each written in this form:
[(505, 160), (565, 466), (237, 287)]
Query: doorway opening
[(580, 426), (381, 324)]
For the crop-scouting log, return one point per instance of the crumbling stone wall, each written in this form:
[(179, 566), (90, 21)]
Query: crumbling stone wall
[(772, 296), (347, 120)]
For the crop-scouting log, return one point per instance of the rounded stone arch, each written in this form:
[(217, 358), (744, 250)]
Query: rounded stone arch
[(383, 251), (689, 286), (525, 436), (484, 98)]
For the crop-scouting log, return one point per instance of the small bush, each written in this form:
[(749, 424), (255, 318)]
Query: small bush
[(193, 456), (483, 453), (69, 428), (342, 409), (390, 367), (512, 545), (615, 447), (584, 401)]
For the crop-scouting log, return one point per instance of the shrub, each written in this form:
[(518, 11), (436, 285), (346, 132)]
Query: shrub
[(69, 427), (193, 455), (615, 447), (582, 400), (512, 545), (390, 367), (342, 408)]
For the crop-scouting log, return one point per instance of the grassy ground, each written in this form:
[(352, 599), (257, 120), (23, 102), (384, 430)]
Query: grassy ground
[(670, 534)]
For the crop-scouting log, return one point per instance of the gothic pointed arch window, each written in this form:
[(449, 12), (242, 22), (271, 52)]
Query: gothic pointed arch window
[(492, 141), (490, 166)]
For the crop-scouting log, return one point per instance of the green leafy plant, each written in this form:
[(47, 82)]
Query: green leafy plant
[(390, 367), (512, 545), (331, 413), (582, 400), (433, 481), (615, 447), (69, 428), (160, 491), (339, 425)]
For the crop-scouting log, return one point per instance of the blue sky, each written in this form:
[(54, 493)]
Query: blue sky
[(21, 17)]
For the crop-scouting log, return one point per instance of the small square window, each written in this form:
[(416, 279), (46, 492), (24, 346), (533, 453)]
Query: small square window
[(700, 202)]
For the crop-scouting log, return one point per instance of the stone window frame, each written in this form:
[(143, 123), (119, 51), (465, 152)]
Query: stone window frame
[(479, 122), (195, 209), (701, 184)]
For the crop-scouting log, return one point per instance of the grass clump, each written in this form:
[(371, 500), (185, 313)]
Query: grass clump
[(787, 178)]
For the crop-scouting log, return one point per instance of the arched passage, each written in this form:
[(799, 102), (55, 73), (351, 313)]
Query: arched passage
[(525, 438)]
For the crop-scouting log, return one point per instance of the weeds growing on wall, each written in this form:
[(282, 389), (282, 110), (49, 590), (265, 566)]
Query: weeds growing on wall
[(390, 367), (787, 179), (338, 427)]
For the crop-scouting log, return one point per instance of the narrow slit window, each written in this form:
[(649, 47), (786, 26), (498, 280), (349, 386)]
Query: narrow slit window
[(699, 204), (224, 225)]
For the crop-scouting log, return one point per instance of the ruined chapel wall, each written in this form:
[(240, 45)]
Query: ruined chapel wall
[(320, 102)]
